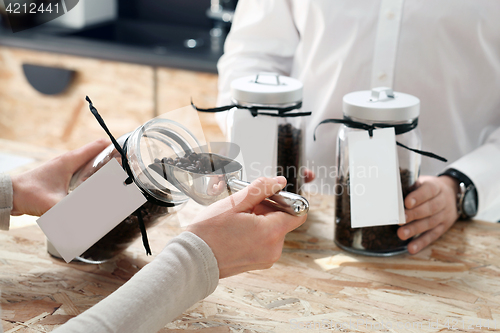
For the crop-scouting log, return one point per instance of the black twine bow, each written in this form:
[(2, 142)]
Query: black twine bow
[(126, 166), (254, 110), (399, 129)]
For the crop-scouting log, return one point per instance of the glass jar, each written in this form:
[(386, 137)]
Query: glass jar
[(290, 152), (397, 110), (269, 127), (156, 139)]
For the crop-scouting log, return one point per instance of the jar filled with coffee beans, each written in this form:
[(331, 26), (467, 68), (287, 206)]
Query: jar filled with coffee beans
[(158, 139), (383, 108), (268, 125)]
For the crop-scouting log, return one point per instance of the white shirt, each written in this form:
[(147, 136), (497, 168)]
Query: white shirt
[(448, 56)]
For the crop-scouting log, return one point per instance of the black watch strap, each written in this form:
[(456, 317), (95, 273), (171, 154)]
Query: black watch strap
[(466, 187), (454, 173)]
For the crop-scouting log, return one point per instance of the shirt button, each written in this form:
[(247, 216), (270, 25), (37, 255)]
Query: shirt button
[(390, 15), (382, 77)]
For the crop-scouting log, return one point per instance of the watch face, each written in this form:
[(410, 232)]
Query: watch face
[(469, 204)]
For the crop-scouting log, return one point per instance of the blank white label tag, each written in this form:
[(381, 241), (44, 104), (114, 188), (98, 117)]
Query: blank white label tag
[(89, 212), (375, 184), (257, 139)]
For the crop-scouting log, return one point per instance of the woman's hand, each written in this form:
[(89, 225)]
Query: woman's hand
[(244, 234), (36, 191), (431, 210)]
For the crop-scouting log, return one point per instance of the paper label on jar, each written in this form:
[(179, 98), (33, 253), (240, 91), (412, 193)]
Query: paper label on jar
[(375, 184), (257, 139), (88, 213)]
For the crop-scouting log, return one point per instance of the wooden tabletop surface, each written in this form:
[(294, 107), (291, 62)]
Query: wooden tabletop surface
[(454, 282), (453, 285)]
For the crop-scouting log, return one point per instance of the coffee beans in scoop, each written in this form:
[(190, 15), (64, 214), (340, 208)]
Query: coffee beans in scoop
[(200, 163)]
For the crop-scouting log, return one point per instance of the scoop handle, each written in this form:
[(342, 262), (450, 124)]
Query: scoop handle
[(287, 202)]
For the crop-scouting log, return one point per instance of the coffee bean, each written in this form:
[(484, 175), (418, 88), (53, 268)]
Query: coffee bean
[(198, 163), (192, 162), (127, 231), (289, 155), (383, 239)]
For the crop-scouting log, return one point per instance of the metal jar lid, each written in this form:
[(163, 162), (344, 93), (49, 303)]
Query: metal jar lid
[(381, 104), (266, 88)]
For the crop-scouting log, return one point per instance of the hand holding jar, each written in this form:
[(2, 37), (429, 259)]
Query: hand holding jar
[(374, 233), (37, 190), (242, 233), (430, 211)]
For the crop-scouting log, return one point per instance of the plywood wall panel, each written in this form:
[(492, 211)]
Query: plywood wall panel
[(123, 94), (177, 87)]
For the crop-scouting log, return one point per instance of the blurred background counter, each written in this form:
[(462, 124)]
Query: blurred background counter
[(136, 61)]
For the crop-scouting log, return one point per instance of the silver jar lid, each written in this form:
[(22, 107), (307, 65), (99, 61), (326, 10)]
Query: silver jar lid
[(381, 104), (266, 88)]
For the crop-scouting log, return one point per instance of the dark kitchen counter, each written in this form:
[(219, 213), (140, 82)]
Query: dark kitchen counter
[(130, 41)]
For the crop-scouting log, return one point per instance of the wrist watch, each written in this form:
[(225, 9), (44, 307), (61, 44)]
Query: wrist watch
[(467, 200)]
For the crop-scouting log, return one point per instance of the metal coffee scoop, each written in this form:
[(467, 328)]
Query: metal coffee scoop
[(223, 180)]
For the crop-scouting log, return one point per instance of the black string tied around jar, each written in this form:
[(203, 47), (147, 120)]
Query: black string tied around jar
[(255, 110), (130, 179), (399, 129)]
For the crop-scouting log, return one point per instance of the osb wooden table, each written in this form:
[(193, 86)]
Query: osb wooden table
[(454, 282), (453, 285)]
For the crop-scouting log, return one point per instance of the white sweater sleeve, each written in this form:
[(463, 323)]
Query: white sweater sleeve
[(263, 38), (6, 196), (183, 273)]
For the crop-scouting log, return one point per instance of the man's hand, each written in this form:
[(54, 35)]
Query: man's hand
[(36, 191), (308, 175), (431, 210), (244, 234)]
